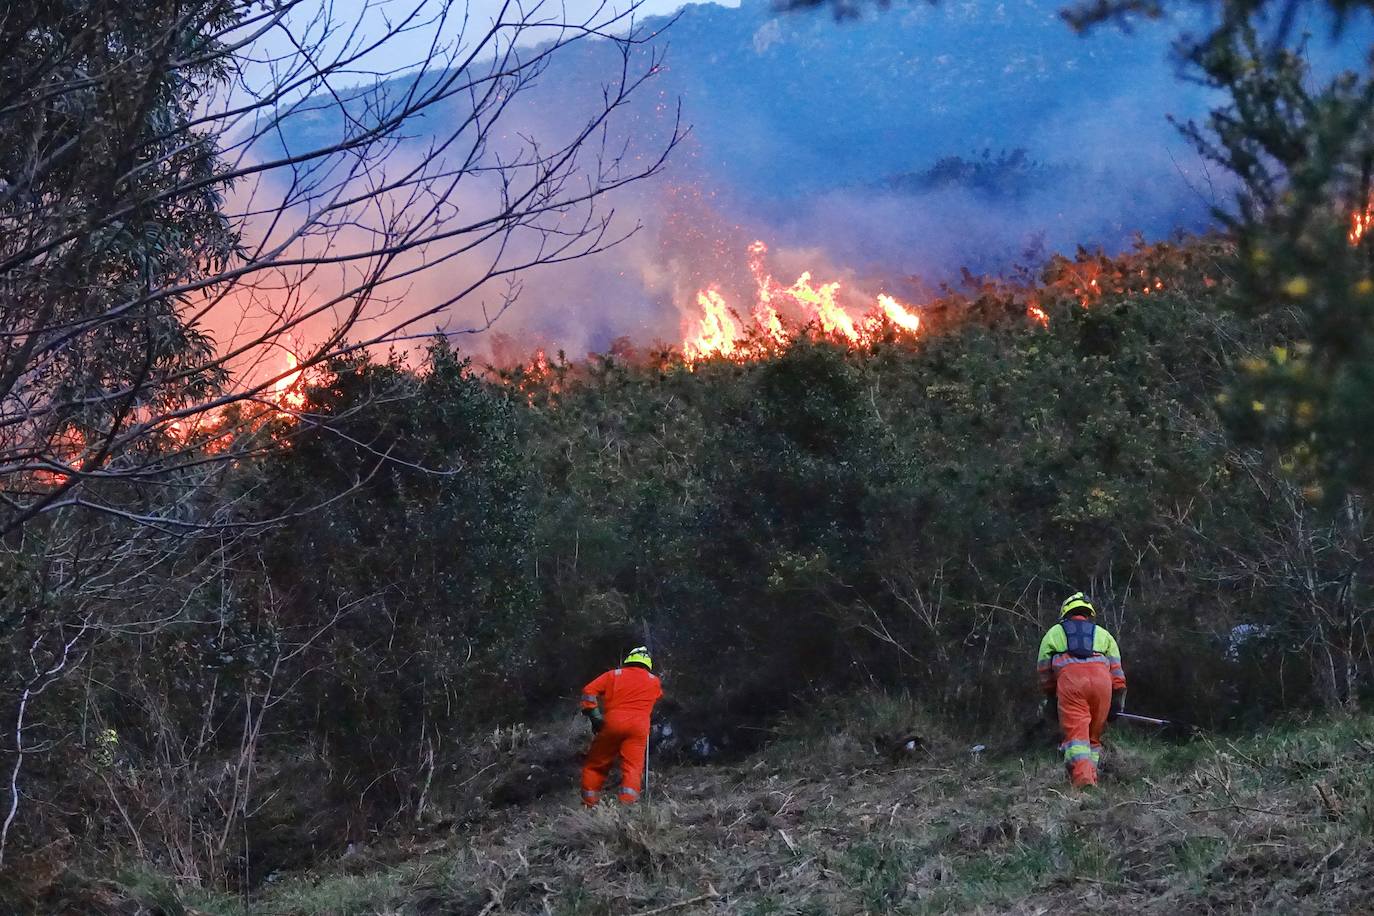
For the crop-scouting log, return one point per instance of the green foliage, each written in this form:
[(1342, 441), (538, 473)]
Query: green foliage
[(418, 579), (456, 551), (109, 193), (829, 516), (1303, 154)]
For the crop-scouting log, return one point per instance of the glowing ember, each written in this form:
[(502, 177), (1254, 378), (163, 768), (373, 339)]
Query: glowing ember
[(1360, 221), (1090, 281)]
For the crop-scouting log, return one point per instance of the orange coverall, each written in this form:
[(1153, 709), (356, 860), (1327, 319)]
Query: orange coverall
[(1084, 688), (627, 698)]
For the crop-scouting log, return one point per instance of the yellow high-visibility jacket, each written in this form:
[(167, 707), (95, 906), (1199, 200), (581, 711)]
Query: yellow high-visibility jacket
[(1054, 655)]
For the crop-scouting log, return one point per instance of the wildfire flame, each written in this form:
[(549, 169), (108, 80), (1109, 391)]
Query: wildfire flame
[(719, 331), (718, 328), (781, 313), (898, 314), (287, 390)]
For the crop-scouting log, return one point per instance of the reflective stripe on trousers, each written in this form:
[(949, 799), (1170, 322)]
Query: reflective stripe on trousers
[(1085, 696), (1079, 750), (620, 743)]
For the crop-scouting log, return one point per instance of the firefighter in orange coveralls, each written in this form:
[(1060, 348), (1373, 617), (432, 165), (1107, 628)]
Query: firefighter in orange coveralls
[(621, 722), (1080, 672)]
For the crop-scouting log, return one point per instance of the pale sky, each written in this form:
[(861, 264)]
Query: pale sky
[(357, 23)]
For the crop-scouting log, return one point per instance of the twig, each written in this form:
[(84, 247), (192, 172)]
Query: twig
[(709, 895), (1150, 802), (478, 773), (1244, 756), (498, 895), (1326, 858), (1236, 807), (1330, 801), (1104, 882)]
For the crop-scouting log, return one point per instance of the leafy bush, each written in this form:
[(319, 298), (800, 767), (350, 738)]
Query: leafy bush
[(905, 516)]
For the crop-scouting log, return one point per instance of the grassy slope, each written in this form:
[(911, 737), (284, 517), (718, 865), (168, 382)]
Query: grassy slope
[(1278, 822)]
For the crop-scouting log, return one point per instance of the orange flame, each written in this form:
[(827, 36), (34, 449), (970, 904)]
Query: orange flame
[(718, 331), (898, 315), (287, 389), (782, 313), (835, 322), (1360, 221), (770, 322)]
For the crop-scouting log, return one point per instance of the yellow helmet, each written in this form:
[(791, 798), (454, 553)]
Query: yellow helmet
[(640, 655), (1076, 602)]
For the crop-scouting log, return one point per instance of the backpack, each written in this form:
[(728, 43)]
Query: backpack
[(1080, 635)]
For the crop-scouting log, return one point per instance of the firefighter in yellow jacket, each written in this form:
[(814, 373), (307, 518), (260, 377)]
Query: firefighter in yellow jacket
[(1082, 678)]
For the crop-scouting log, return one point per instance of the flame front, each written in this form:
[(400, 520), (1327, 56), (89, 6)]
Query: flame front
[(718, 331), (781, 313)]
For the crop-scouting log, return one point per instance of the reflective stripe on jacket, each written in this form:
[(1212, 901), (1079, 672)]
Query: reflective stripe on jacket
[(1054, 655)]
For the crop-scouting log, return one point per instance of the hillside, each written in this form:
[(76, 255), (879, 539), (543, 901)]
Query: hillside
[(837, 138), (914, 369), (911, 142), (359, 698), (1281, 821)]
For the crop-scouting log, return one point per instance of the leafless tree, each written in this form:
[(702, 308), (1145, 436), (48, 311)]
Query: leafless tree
[(164, 229), (202, 202), (1311, 566)]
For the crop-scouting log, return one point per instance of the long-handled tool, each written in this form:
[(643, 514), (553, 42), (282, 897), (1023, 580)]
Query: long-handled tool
[(1166, 726), (644, 786)]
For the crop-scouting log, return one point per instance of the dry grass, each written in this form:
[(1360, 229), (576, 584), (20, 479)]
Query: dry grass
[(1282, 822)]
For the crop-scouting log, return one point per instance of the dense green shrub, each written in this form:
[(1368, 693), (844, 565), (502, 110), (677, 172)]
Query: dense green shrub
[(456, 550)]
